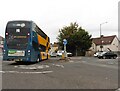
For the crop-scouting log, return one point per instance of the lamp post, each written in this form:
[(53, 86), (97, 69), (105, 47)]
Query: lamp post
[(101, 34)]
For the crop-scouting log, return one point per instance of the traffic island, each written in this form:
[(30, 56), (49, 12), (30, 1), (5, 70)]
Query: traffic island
[(64, 59)]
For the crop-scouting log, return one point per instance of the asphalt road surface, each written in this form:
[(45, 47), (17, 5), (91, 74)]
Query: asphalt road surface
[(76, 73)]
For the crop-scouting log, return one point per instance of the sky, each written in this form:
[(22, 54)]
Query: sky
[(52, 15)]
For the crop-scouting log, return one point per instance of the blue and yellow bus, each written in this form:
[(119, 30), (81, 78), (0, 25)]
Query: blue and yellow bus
[(25, 41)]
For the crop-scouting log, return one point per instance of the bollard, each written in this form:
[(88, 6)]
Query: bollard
[(63, 56)]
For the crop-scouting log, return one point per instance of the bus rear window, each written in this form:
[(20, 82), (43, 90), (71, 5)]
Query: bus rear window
[(17, 38)]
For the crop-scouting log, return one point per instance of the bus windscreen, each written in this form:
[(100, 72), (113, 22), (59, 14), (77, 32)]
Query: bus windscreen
[(17, 38)]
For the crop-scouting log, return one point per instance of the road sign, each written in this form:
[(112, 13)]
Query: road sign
[(64, 41)]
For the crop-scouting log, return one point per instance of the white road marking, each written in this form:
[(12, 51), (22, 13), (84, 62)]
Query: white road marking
[(2, 72), (34, 67), (19, 72), (43, 66), (57, 65), (25, 67)]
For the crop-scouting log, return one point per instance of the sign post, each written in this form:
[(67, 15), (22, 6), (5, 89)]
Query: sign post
[(65, 43)]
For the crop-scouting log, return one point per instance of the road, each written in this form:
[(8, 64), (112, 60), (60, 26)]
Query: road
[(77, 73)]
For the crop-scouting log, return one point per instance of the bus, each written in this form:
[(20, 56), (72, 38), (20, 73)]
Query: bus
[(25, 41)]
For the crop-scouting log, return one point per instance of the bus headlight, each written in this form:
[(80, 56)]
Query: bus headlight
[(4, 51), (28, 51)]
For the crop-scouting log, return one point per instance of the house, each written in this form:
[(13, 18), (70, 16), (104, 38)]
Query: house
[(105, 43), (54, 47)]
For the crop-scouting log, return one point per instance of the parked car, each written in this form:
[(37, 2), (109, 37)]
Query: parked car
[(53, 54), (60, 52), (100, 55), (109, 55), (69, 54), (97, 53)]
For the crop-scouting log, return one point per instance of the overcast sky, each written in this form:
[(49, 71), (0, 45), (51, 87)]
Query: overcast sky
[(52, 15)]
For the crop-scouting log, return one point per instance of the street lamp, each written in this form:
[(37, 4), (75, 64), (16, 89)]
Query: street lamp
[(101, 36)]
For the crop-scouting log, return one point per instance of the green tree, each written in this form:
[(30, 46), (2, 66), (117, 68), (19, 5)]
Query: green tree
[(78, 39)]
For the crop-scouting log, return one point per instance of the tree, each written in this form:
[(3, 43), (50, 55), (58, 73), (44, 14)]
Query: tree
[(78, 39)]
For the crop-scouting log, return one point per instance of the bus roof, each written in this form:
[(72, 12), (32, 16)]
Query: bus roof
[(23, 23)]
